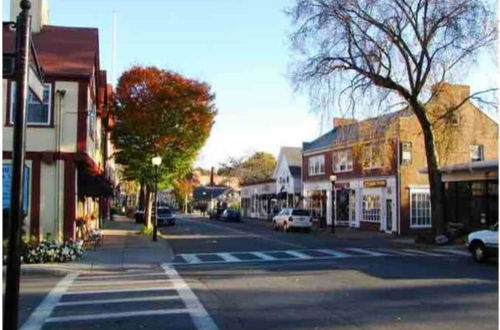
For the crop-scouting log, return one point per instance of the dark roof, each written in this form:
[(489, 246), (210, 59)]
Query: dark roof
[(254, 183), (69, 51), (296, 171), (351, 132), (206, 192)]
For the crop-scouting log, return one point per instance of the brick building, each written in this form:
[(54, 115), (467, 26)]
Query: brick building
[(378, 163)]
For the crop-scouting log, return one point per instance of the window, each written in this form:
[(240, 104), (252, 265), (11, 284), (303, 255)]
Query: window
[(91, 123), (371, 208), (371, 157), (316, 165), (37, 113), (342, 161), (476, 152), (420, 205), (406, 149)]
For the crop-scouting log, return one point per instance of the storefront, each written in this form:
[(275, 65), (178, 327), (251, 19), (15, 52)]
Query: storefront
[(471, 192), (258, 200), (317, 199), (367, 203)]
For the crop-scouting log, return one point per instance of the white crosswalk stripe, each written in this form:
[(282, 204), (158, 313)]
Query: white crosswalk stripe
[(98, 298), (311, 254)]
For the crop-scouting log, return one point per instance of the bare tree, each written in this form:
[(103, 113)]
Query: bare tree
[(388, 50)]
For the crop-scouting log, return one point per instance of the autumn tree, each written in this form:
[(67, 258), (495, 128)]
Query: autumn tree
[(255, 168), (159, 112), (365, 53), (183, 189)]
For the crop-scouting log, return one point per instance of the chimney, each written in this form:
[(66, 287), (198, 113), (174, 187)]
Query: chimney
[(39, 13), (338, 121), (446, 93)]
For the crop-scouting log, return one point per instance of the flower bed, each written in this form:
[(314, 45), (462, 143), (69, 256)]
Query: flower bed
[(51, 251)]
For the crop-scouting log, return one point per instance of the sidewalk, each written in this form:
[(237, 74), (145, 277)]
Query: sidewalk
[(352, 234), (122, 248)]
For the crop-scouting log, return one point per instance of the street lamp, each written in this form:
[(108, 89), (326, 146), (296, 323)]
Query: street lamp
[(333, 178), (156, 164)]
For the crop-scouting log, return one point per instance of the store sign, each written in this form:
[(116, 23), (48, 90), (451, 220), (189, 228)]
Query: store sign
[(6, 184), (374, 183)]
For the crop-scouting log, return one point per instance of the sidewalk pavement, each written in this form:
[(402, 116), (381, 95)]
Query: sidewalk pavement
[(354, 234), (122, 248)]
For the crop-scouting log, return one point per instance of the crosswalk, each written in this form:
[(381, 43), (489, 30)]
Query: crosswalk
[(155, 299), (307, 254)]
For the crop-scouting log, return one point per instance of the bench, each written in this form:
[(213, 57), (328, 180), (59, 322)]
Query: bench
[(88, 235)]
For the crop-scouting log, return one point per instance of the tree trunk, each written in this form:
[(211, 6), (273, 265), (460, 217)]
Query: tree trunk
[(185, 203), (148, 206), (142, 197), (434, 175)]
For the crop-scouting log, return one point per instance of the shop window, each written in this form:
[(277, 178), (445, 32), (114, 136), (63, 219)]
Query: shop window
[(406, 149), (493, 188), (342, 161), (420, 205), (37, 113), (316, 165), (476, 152), (371, 208)]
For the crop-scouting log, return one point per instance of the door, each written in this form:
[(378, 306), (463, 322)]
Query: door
[(388, 215)]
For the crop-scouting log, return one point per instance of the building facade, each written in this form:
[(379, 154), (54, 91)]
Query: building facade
[(367, 174), (258, 199), (288, 177), (67, 138)]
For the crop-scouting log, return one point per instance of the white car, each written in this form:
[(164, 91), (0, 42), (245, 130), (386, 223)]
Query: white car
[(292, 219), (484, 243)]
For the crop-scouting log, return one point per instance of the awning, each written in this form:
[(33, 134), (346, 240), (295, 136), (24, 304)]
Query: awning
[(91, 180)]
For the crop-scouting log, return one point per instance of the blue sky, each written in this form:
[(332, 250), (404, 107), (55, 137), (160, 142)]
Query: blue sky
[(239, 47)]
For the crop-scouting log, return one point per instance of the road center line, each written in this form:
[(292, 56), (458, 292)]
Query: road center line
[(199, 315), (42, 312)]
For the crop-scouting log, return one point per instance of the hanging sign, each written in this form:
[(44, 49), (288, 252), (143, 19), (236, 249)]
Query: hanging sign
[(374, 183)]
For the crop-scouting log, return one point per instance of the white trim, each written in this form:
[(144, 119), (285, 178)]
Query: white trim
[(419, 191)]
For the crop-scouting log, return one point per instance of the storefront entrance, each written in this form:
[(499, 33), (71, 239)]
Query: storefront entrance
[(388, 215)]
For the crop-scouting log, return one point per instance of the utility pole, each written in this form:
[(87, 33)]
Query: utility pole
[(11, 301)]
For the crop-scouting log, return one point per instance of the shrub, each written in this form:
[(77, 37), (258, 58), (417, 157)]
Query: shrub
[(146, 230), (50, 251)]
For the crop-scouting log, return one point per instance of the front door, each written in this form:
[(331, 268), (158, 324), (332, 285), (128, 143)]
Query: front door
[(342, 206), (388, 214), (352, 208)]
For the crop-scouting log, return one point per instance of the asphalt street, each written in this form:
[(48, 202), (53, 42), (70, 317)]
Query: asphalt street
[(249, 277), (246, 276)]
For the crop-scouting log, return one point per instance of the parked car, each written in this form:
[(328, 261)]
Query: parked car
[(139, 216), (231, 215), (483, 244), (215, 213), (166, 216), (289, 219)]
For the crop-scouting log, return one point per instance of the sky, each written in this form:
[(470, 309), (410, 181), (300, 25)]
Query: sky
[(239, 47)]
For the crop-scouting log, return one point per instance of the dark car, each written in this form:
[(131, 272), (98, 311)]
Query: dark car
[(231, 215), (166, 216), (215, 214), (139, 216)]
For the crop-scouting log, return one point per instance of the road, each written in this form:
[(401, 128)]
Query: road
[(245, 276)]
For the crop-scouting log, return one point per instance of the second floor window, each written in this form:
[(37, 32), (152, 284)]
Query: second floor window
[(476, 152), (406, 153), (342, 161), (372, 157), (37, 113), (316, 165)]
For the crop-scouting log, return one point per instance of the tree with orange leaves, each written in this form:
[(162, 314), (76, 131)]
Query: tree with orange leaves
[(160, 112)]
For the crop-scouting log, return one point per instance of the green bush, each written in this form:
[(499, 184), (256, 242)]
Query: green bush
[(146, 230)]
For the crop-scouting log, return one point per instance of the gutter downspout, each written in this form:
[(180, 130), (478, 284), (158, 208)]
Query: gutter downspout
[(398, 187)]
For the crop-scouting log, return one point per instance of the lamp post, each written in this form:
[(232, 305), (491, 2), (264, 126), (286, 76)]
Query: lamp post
[(333, 178), (11, 300), (156, 164)]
